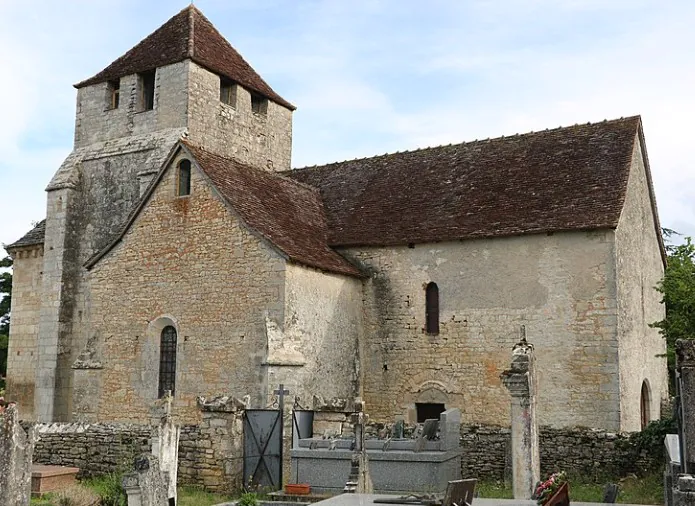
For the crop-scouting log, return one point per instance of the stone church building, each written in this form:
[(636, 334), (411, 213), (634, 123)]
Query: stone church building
[(181, 252)]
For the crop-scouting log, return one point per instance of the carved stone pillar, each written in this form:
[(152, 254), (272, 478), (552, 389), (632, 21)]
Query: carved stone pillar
[(520, 381), (685, 362)]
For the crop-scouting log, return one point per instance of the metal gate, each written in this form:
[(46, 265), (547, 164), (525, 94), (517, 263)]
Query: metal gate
[(263, 449)]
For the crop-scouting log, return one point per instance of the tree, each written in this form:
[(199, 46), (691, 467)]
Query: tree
[(678, 290)]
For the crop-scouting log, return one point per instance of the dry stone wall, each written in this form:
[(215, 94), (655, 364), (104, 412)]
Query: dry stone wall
[(486, 452)]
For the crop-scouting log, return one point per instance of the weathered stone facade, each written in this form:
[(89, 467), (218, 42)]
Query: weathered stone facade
[(23, 347), (639, 267), (560, 286)]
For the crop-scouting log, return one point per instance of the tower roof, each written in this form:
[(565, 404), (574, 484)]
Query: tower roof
[(188, 35)]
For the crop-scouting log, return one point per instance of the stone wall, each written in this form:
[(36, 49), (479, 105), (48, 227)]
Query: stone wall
[(314, 349), (639, 267), (263, 140), (190, 263), (97, 121), (23, 347), (560, 286), (486, 452), (94, 448)]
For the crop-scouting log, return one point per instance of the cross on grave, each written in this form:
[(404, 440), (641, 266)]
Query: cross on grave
[(281, 392)]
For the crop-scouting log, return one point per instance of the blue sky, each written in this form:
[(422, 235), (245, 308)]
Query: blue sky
[(374, 76)]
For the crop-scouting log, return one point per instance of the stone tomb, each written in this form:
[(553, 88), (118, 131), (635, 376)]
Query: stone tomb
[(45, 479), (395, 465)]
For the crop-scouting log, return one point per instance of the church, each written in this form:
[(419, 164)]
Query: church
[(181, 252)]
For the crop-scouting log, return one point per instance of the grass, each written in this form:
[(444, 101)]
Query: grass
[(633, 490), (191, 496)]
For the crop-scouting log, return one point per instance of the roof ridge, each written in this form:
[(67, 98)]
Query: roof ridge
[(191, 30), (487, 139)]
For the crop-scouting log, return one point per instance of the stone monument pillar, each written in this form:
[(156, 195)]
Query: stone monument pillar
[(520, 381), (685, 365), (145, 485), (359, 481), (16, 453), (165, 446)]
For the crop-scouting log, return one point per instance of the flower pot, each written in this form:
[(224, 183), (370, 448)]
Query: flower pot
[(560, 497), (297, 488)]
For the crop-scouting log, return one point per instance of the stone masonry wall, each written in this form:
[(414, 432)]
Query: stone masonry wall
[(26, 307), (486, 452), (190, 263), (96, 121), (261, 140), (639, 267), (94, 448), (560, 286), (314, 350)]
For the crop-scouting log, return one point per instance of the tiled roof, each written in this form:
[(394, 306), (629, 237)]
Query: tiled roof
[(31, 238), (188, 35), (288, 214), (563, 179)]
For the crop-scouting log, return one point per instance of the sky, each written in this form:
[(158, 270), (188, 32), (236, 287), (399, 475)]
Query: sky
[(374, 76)]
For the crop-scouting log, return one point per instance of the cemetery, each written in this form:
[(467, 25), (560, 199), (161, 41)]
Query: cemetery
[(333, 451)]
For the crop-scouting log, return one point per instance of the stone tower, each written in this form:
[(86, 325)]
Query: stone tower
[(184, 79)]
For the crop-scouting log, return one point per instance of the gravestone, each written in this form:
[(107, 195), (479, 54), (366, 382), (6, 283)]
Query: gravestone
[(521, 382), (685, 361), (16, 453), (146, 485)]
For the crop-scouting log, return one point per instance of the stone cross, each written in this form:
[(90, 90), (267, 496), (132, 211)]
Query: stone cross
[(359, 480), (520, 381)]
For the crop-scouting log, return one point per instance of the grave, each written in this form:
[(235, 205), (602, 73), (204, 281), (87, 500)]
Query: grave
[(45, 479), (396, 465)]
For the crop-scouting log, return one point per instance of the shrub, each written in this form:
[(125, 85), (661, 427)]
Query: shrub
[(248, 499), (109, 490)]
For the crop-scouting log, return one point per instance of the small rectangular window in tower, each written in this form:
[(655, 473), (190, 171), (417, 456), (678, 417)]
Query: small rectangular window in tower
[(146, 90), (113, 93), (428, 411), (228, 91), (259, 104)]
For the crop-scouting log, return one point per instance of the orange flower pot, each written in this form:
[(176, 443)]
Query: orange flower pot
[(298, 488)]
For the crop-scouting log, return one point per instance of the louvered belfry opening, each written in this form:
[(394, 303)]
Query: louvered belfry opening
[(167, 361), (184, 178), (432, 308)]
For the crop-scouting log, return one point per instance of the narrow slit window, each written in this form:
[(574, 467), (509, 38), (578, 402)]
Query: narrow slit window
[(167, 361), (228, 92), (113, 93), (259, 104), (184, 178), (146, 82), (432, 308)]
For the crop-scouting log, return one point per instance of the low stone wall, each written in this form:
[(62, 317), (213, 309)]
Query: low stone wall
[(94, 448), (486, 452)]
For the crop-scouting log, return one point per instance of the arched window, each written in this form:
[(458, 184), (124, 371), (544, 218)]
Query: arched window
[(644, 404), (184, 179), (167, 361), (432, 308)]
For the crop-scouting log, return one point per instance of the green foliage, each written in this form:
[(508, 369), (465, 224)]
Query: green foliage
[(678, 294), (248, 499), (4, 342), (646, 448), (194, 496), (109, 489)]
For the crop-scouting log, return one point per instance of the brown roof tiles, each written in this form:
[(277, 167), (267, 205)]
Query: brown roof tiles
[(188, 35), (563, 179)]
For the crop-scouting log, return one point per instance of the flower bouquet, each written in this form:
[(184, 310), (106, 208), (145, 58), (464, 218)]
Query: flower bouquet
[(552, 491)]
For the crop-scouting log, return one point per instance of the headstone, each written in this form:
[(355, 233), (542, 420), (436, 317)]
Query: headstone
[(16, 453), (521, 383), (359, 481), (145, 485), (398, 429), (165, 446), (685, 365)]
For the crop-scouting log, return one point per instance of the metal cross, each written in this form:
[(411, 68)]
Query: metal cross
[(281, 392)]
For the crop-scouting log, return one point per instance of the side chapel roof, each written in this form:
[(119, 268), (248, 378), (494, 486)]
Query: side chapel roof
[(572, 178), (188, 35), (33, 237)]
